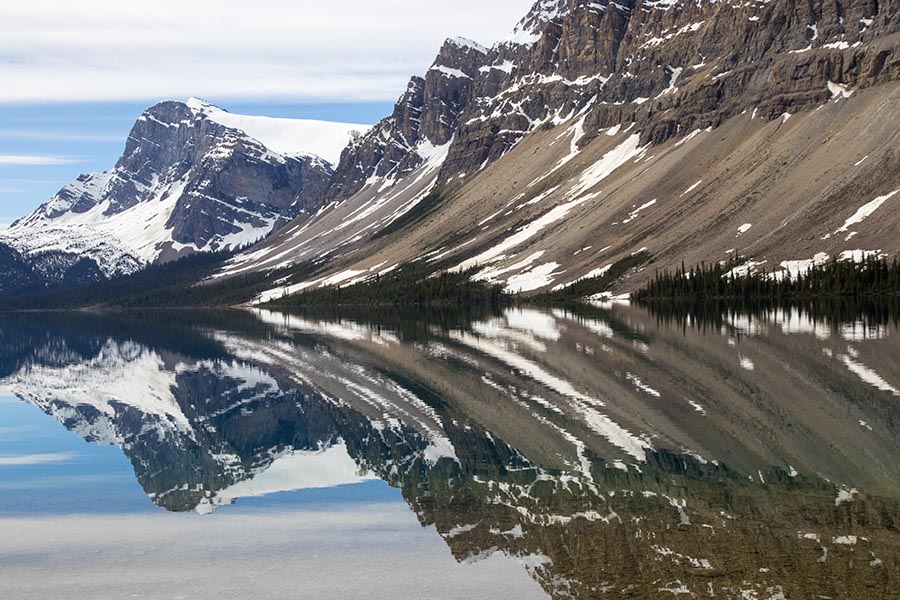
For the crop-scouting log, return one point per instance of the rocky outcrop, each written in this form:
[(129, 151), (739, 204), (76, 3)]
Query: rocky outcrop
[(670, 66), (529, 124), (426, 116), (188, 181)]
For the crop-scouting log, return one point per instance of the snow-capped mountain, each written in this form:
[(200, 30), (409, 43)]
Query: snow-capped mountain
[(193, 178), (598, 129), (595, 130)]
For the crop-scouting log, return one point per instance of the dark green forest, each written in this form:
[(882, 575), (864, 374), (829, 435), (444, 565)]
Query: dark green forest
[(873, 277), (180, 283), (410, 285)]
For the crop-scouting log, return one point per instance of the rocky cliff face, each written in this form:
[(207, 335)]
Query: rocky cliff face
[(191, 179), (587, 135), (670, 67), (426, 116)]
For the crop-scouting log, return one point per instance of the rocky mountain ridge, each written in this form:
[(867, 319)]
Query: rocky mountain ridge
[(579, 93), (191, 179), (593, 131), (697, 63)]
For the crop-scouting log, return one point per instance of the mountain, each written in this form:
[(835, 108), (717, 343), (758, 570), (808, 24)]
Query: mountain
[(192, 178), (694, 130), (595, 132)]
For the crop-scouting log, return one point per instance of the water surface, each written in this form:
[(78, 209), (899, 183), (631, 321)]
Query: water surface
[(595, 452)]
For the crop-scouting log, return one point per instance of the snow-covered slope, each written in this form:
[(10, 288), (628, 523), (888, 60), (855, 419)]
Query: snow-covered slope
[(122, 377), (299, 470), (193, 178), (289, 137)]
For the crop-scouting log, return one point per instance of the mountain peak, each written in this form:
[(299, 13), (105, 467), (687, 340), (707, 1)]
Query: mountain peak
[(531, 29), (466, 43), (193, 178), (199, 104), (288, 137)]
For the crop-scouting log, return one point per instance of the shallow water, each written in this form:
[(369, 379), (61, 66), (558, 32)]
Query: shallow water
[(597, 452)]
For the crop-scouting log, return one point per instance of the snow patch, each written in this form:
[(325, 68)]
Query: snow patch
[(868, 375), (865, 211), (533, 279), (609, 162), (839, 90), (330, 467), (290, 137), (636, 212)]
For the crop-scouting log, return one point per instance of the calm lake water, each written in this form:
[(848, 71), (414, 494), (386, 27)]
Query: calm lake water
[(602, 452)]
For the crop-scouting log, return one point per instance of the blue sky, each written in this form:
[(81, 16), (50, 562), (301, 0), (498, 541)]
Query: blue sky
[(45, 468), (77, 75)]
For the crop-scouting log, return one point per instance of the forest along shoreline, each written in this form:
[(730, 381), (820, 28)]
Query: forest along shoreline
[(836, 287)]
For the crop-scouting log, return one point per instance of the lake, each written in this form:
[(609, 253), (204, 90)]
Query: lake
[(598, 451)]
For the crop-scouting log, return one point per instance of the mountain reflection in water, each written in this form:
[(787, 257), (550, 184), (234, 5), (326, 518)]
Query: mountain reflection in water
[(613, 453)]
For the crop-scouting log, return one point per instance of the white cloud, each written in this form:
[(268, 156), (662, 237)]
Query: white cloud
[(226, 49), (35, 459), (35, 160)]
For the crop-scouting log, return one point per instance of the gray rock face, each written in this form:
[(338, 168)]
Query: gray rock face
[(672, 67), (428, 114), (184, 183), (669, 66), (225, 172)]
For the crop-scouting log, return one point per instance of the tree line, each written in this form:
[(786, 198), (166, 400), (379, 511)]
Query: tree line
[(721, 281), (409, 285)]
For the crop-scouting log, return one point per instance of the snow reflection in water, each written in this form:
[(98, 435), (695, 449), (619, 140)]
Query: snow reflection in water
[(547, 437)]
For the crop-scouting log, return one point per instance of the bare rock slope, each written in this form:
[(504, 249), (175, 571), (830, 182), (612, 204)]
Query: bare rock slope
[(692, 129)]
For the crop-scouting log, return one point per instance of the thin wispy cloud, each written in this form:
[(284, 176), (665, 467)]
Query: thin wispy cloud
[(36, 160), (17, 182), (55, 136), (9, 430), (226, 49), (36, 459)]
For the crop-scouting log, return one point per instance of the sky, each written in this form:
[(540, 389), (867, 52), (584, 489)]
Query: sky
[(76, 75)]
